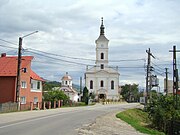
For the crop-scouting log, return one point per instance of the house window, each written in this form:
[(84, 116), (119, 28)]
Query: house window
[(38, 85), (102, 56), (91, 84), (66, 82), (102, 66), (112, 85), (102, 83), (35, 100), (23, 84), (23, 100)]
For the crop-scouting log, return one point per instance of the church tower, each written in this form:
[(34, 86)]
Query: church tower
[(101, 79), (102, 49)]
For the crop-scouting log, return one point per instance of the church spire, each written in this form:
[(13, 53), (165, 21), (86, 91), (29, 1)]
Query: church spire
[(102, 27)]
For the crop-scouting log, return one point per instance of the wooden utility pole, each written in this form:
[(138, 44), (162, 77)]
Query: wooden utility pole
[(166, 87), (18, 85), (18, 77)]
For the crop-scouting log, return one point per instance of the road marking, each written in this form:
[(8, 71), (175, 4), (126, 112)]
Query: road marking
[(54, 115), (35, 119)]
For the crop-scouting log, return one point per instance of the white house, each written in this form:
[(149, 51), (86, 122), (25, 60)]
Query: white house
[(102, 79), (68, 89)]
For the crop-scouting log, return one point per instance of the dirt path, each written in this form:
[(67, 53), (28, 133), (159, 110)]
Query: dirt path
[(108, 125)]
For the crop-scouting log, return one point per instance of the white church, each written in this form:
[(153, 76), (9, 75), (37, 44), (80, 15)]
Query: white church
[(101, 79), (68, 89)]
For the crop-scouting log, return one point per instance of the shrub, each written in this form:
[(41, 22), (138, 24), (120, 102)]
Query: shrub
[(161, 110)]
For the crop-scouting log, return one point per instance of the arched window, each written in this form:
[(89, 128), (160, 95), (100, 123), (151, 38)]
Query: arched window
[(102, 55), (91, 84), (102, 83), (112, 85)]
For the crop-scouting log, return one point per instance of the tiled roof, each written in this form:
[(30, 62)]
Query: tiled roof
[(8, 64), (68, 89), (66, 77), (34, 76)]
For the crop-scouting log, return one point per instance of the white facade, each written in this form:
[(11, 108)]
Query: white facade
[(102, 79)]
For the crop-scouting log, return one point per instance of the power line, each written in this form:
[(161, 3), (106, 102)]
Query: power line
[(57, 58), (124, 60), (8, 42), (8, 46)]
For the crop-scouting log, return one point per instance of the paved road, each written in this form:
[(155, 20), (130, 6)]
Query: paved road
[(62, 121)]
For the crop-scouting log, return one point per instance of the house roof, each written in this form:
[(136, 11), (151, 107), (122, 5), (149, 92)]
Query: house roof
[(34, 76), (8, 66)]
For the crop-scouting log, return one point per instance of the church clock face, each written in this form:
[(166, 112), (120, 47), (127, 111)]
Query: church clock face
[(102, 45)]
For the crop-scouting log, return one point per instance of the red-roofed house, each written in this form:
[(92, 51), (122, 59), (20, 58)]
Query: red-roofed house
[(31, 83)]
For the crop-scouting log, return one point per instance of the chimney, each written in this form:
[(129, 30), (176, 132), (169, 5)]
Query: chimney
[(3, 54)]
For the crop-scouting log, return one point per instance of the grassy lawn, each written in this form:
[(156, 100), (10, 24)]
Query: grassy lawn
[(139, 120)]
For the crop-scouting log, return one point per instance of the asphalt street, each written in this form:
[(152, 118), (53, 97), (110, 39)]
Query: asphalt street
[(61, 121)]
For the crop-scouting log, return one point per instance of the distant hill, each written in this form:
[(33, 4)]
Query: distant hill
[(51, 84)]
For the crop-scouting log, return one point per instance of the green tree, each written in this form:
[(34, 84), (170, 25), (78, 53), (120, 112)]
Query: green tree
[(162, 110), (130, 92), (85, 95), (47, 86), (55, 95)]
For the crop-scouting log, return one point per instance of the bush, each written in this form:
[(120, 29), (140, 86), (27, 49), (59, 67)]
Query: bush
[(161, 110)]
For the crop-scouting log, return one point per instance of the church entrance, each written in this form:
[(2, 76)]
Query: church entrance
[(102, 96)]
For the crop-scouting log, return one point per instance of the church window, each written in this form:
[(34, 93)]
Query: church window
[(66, 82), (91, 84), (102, 66), (112, 85), (102, 83), (102, 56)]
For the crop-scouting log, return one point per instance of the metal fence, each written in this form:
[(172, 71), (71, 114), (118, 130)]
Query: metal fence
[(174, 127)]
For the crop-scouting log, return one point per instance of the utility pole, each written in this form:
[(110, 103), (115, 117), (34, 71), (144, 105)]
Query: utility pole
[(18, 79), (175, 73), (166, 87), (80, 85), (148, 74), (18, 85)]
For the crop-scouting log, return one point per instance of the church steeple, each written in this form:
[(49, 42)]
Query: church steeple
[(102, 27)]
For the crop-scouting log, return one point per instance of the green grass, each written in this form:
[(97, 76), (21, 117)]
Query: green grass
[(139, 120)]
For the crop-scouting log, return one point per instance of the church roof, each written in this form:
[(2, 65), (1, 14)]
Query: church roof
[(68, 89), (66, 77)]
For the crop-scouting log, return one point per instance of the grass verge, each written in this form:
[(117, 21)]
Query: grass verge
[(139, 120)]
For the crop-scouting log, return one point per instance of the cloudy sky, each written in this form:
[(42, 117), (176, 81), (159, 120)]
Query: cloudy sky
[(68, 30)]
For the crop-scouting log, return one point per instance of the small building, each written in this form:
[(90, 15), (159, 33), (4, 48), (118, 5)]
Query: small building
[(66, 86), (170, 86), (30, 82)]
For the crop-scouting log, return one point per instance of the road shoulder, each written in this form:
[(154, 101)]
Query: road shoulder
[(108, 125)]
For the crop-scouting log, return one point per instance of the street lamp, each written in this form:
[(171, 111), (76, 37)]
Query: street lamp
[(19, 67)]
